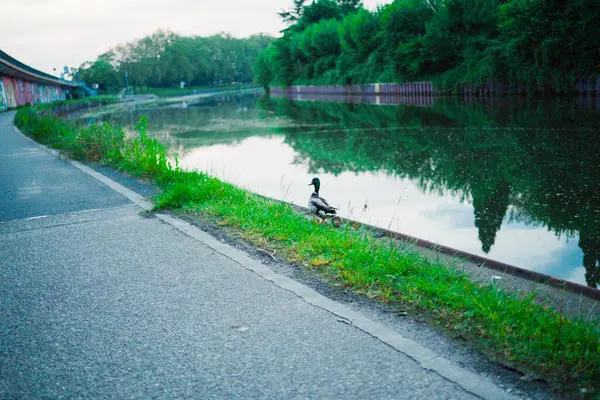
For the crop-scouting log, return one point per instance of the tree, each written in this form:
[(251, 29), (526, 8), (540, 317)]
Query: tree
[(263, 74), (178, 58), (293, 15), (163, 59), (349, 6), (317, 11), (548, 43), (101, 72), (543, 44)]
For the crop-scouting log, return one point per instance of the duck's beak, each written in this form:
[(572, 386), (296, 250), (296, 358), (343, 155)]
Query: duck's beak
[(311, 184)]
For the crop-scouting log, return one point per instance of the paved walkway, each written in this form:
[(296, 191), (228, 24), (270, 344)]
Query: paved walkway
[(100, 301)]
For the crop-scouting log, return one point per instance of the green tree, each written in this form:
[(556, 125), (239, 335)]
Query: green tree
[(263, 74), (548, 43), (349, 6), (101, 72), (402, 24), (178, 60), (317, 11), (292, 15), (163, 59), (543, 44), (282, 61)]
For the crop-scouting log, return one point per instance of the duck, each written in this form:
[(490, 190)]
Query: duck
[(317, 204)]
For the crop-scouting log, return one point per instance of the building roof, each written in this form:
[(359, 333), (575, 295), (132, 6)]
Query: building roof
[(16, 69)]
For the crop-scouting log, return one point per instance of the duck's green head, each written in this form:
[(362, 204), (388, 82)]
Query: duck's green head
[(316, 183)]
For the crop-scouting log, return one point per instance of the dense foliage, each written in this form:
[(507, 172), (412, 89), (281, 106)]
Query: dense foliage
[(164, 59), (540, 44)]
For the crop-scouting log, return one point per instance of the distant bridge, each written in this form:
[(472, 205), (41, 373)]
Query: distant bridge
[(20, 84)]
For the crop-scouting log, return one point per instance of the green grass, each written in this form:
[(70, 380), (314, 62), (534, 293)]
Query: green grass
[(517, 331), (172, 92), (87, 101)]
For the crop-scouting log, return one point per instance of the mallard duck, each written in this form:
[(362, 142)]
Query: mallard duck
[(318, 205)]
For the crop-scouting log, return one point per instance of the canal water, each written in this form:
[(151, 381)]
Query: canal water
[(513, 180)]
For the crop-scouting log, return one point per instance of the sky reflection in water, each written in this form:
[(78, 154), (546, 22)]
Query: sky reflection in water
[(472, 177)]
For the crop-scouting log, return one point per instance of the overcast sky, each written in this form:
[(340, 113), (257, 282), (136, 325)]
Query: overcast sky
[(47, 34)]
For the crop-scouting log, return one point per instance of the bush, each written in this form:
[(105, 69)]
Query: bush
[(100, 142), (542, 44)]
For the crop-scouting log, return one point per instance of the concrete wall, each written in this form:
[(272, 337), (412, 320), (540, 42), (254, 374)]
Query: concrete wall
[(404, 89), (21, 84), (17, 92), (581, 86)]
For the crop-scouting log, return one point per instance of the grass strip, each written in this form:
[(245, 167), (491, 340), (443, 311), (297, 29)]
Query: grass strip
[(87, 101), (174, 92), (516, 330)]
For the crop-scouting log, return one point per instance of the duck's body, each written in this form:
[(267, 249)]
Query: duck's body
[(320, 206), (317, 204)]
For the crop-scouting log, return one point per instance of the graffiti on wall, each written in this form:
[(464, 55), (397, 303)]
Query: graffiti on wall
[(3, 99), (17, 92)]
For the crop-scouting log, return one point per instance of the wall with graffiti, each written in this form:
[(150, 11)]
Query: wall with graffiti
[(17, 92)]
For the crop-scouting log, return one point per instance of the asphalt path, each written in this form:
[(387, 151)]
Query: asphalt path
[(99, 300), (34, 182)]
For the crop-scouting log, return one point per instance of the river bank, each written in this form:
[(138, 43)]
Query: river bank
[(517, 330), (418, 169)]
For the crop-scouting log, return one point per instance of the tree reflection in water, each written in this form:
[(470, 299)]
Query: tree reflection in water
[(530, 162), (539, 159)]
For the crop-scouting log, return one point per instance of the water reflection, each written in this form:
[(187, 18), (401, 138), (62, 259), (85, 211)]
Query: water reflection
[(514, 180)]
